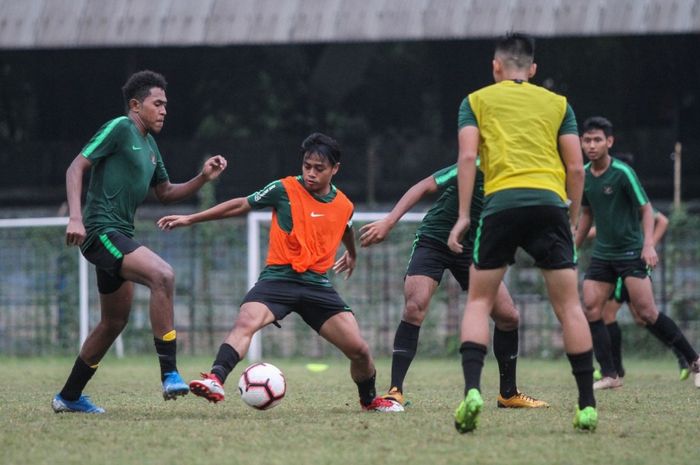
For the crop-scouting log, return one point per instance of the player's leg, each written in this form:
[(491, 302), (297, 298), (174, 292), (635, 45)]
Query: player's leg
[(115, 305), (505, 347), (595, 295), (642, 297), (610, 309), (145, 267), (418, 290), (342, 331)]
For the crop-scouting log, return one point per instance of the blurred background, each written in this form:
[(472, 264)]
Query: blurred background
[(250, 79)]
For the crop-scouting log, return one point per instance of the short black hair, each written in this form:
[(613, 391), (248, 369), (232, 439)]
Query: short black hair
[(322, 145), (597, 122), (139, 85), (516, 49)]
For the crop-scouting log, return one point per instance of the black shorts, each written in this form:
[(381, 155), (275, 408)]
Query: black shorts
[(315, 304), (620, 294), (542, 231), (431, 258), (107, 253), (608, 271)]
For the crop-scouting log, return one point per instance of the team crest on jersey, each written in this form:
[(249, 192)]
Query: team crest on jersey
[(607, 190), (153, 158)]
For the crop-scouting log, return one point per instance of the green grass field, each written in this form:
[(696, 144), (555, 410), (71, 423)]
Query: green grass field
[(653, 419)]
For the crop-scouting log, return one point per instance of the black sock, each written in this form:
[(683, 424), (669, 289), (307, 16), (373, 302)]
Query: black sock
[(616, 346), (167, 351), (78, 378), (505, 348), (226, 360), (367, 390), (472, 362), (582, 369), (601, 347), (668, 332), (405, 346)]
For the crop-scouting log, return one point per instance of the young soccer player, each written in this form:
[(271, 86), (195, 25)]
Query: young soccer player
[(311, 217), (527, 140), (124, 164), (624, 247), (430, 258)]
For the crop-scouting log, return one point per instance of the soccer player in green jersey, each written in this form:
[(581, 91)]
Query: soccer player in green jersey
[(430, 258), (527, 141), (310, 219), (124, 164), (614, 198)]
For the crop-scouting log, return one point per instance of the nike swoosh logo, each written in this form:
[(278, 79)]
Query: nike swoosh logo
[(316, 215), (133, 147)]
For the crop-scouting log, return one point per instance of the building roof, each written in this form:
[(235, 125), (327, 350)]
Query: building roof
[(31, 24)]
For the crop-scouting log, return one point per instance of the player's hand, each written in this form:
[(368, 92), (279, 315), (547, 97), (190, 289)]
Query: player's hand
[(374, 233), (173, 221), (649, 256), (75, 232), (213, 167), (345, 263), (454, 242)]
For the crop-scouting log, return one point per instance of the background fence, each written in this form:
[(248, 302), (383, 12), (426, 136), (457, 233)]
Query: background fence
[(39, 294)]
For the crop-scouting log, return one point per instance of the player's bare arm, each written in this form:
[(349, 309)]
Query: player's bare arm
[(584, 225), (468, 138), (75, 231), (648, 250), (346, 262), (168, 192), (234, 207), (570, 151), (376, 232), (660, 227)]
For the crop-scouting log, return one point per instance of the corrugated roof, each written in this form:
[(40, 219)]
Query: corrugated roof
[(118, 23)]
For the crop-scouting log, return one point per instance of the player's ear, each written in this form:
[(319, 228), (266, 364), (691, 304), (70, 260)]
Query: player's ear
[(610, 140), (532, 70), (335, 168), (134, 105)]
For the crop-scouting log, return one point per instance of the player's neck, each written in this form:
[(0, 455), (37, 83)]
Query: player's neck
[(139, 124), (600, 165)]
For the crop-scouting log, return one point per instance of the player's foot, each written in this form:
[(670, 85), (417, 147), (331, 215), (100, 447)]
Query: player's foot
[(467, 413), (395, 394), (597, 375), (520, 400), (174, 386), (380, 404), (586, 419), (82, 405), (695, 368), (209, 387), (608, 382), (684, 374)]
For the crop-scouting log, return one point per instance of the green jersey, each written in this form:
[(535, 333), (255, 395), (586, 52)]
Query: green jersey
[(125, 165), (615, 198), (274, 195), (441, 217)]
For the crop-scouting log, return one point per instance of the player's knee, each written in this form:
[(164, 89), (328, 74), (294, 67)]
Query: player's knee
[(359, 351), (414, 312), (507, 321), (114, 325), (164, 277)]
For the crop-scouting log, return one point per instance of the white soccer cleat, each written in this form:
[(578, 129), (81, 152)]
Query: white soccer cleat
[(380, 404), (608, 382)]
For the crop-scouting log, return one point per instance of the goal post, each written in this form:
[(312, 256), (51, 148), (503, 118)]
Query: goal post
[(255, 220)]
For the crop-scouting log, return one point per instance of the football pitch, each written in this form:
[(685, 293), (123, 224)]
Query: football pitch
[(653, 419)]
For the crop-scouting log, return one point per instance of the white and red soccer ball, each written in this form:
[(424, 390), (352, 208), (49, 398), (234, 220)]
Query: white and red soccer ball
[(262, 386)]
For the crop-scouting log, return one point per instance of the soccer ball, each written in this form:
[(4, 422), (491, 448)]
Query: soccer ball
[(262, 386)]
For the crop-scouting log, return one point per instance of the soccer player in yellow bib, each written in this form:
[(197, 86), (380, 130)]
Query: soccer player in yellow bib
[(527, 139)]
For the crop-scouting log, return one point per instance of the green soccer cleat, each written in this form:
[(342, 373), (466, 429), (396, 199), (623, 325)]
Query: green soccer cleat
[(586, 419), (597, 375), (685, 374), (467, 414)]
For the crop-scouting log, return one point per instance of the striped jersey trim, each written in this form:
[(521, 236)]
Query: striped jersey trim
[(110, 247), (101, 136), (634, 182)]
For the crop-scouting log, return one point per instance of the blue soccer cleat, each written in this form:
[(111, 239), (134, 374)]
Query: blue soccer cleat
[(82, 405), (174, 386)]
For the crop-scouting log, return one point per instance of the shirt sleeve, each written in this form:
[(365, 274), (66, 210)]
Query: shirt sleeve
[(466, 116), (634, 188), (568, 125), (269, 196), (446, 177), (105, 140)]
